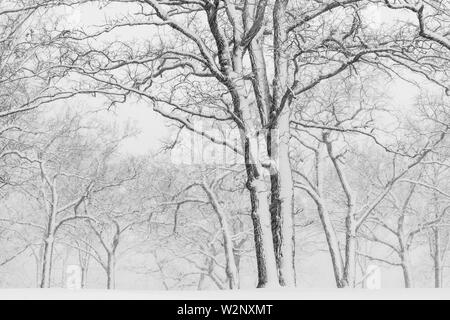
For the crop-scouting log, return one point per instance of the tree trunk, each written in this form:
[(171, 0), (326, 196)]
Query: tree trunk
[(348, 280), (333, 245), (49, 243), (259, 190), (84, 274), (83, 259), (47, 262), (406, 268), (437, 259), (258, 185), (200, 282), (110, 272), (282, 205)]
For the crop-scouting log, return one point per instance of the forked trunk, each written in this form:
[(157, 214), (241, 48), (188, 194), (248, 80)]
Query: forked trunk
[(282, 205), (259, 189), (267, 267)]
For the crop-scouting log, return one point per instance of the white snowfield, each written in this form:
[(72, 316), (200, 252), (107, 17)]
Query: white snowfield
[(261, 294)]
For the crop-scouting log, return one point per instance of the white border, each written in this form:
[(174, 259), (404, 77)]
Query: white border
[(283, 294)]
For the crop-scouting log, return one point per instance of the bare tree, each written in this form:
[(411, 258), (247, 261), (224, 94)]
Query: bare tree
[(59, 185), (27, 49), (325, 130), (209, 189)]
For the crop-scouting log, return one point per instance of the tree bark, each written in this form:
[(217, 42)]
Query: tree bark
[(258, 185), (437, 259), (282, 199), (406, 268), (49, 243), (265, 253), (350, 254), (333, 245), (282, 202)]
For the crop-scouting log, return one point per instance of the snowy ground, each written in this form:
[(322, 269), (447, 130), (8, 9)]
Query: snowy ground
[(290, 294)]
